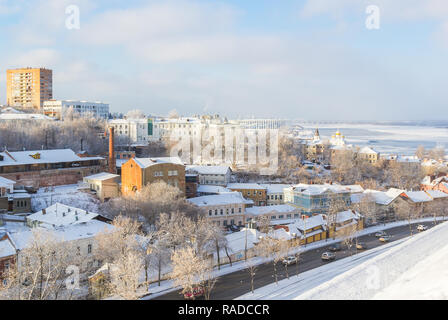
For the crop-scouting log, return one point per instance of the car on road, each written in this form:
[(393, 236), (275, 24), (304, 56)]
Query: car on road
[(289, 260), (422, 227), (380, 234), (361, 246), (385, 238), (335, 247), (328, 256), (197, 292)]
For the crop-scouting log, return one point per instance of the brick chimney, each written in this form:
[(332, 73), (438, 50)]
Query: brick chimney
[(112, 167)]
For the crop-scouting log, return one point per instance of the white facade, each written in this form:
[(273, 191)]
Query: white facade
[(58, 108), (211, 175), (135, 131), (262, 123)]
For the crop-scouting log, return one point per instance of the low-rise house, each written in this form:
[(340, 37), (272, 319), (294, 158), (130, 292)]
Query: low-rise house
[(7, 254), (104, 184), (343, 220), (207, 190), (138, 172), (274, 212), (253, 191), (79, 239), (384, 203), (369, 155), (224, 209), (12, 200), (274, 193), (433, 183), (191, 185), (314, 199), (61, 215), (211, 175), (310, 229), (40, 168)]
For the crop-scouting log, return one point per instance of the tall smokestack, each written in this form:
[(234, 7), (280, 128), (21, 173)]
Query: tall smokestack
[(112, 167)]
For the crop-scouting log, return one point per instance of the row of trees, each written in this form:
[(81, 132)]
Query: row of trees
[(17, 135)]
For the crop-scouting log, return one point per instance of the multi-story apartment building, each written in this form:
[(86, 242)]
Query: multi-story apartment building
[(224, 209), (252, 191), (58, 108), (29, 87), (134, 131), (138, 172)]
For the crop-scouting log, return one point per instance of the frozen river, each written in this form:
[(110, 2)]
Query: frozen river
[(386, 138)]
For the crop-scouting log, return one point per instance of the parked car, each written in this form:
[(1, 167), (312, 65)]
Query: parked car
[(289, 260), (361, 246), (380, 234), (328, 256), (385, 238), (197, 292), (335, 247), (422, 227)]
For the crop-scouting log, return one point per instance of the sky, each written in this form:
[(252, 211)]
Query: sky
[(290, 59)]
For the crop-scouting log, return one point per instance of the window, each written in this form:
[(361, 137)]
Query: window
[(209, 212), (221, 212), (239, 210), (216, 212), (233, 210), (89, 248)]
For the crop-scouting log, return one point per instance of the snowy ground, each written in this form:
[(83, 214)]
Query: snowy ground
[(66, 194), (411, 268)]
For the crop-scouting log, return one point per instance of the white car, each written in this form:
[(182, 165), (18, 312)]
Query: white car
[(422, 227), (380, 234), (289, 260), (328, 256)]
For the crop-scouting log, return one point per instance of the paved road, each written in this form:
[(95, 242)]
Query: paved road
[(237, 283)]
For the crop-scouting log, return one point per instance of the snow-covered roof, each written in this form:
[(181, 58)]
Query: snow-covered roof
[(367, 150), (346, 216), (316, 189), (213, 170), (147, 162), (241, 186), (69, 233), (212, 189), (379, 197), (413, 159), (61, 215), (6, 247), (42, 156), (436, 194), (6, 183), (275, 188), (281, 208), (302, 225), (418, 196), (102, 176), (218, 199), (24, 116), (237, 240)]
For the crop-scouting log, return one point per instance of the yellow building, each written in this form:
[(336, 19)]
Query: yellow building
[(28, 87)]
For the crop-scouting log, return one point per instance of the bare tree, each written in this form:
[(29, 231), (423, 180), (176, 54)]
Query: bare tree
[(188, 269), (336, 205), (251, 267), (122, 249), (40, 271), (403, 210)]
